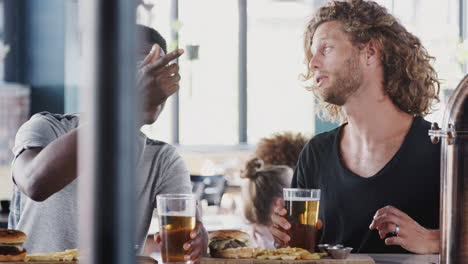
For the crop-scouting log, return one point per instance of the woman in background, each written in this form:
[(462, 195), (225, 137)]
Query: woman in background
[(267, 174), (261, 192)]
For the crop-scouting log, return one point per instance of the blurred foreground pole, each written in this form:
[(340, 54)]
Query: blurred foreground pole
[(106, 157)]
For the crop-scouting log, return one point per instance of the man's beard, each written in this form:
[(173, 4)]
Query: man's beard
[(347, 82)]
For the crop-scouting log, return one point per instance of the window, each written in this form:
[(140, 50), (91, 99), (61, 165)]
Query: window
[(436, 24), (438, 29), (209, 93), (157, 14), (277, 99)]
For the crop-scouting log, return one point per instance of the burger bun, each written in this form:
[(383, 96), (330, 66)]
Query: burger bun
[(228, 234), (10, 236), (11, 258)]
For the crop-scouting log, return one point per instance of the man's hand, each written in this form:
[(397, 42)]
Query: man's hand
[(197, 246), (410, 236), (157, 80), (280, 225)]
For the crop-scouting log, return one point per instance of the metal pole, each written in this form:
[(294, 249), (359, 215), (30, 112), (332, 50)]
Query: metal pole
[(106, 159), (462, 25), (175, 39), (242, 71)]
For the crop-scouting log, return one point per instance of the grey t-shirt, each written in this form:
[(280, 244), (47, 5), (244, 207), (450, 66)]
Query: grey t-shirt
[(52, 225)]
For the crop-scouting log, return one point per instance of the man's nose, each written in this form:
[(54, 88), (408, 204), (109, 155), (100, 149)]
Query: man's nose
[(314, 62)]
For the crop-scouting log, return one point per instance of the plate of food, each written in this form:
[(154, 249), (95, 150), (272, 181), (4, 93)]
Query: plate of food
[(233, 246)]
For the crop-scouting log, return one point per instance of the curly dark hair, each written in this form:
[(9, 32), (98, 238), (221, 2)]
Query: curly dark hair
[(409, 79), (281, 148)]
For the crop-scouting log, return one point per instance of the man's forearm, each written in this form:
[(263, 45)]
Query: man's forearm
[(47, 172)]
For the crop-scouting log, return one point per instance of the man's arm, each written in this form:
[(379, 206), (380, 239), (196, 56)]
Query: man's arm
[(41, 172)]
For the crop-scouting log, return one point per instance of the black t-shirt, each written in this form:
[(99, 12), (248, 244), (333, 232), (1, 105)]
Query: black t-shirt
[(410, 181)]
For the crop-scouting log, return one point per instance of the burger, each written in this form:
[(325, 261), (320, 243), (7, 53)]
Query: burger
[(11, 245), (230, 244)]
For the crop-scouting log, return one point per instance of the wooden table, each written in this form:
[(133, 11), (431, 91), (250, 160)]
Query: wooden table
[(381, 258), (352, 259), (405, 259)]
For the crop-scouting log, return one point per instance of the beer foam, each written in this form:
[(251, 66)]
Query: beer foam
[(301, 199)]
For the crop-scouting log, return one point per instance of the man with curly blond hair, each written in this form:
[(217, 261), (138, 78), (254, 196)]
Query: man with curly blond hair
[(378, 172)]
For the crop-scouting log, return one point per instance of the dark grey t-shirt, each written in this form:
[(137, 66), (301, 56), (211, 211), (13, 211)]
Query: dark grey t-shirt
[(52, 225)]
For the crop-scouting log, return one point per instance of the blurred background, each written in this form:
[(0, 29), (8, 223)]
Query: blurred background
[(240, 78)]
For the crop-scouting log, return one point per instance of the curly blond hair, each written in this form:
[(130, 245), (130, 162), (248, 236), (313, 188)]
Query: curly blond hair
[(281, 148), (409, 79)]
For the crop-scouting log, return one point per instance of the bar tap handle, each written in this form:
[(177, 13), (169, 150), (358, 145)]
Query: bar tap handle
[(434, 133)]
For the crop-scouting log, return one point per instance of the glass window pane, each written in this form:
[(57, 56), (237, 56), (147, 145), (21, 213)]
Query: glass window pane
[(435, 23), (277, 100), (162, 128), (209, 90), (156, 14)]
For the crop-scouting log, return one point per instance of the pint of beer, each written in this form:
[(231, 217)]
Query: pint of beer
[(303, 208), (176, 220)]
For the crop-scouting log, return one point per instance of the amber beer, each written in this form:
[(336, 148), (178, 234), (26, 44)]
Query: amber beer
[(176, 219), (303, 208), (175, 231)]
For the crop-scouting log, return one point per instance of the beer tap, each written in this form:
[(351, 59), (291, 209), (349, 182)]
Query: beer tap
[(454, 177)]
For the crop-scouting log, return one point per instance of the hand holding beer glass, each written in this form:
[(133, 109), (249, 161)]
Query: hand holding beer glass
[(302, 207), (176, 220)]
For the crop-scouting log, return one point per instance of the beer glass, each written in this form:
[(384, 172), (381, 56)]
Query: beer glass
[(303, 208), (176, 220)]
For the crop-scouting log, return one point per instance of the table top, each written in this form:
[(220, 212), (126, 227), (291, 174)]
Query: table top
[(351, 259), (405, 259), (379, 258)]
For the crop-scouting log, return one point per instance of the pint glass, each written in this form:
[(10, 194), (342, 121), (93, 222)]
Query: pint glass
[(176, 220), (303, 208)]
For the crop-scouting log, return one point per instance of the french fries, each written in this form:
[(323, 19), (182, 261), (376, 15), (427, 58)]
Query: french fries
[(67, 255), (288, 254)]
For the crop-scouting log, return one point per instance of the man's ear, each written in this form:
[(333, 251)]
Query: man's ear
[(372, 52)]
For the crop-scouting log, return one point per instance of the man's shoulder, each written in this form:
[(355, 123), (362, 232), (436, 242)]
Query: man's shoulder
[(54, 117), (324, 139), (160, 149), (158, 145), (419, 131), (41, 129), (163, 162), (60, 122), (154, 142), (421, 123), (419, 136)]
